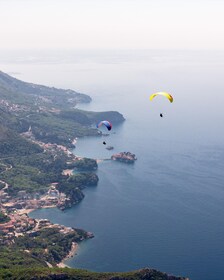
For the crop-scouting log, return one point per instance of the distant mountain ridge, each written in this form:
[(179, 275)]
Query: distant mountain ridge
[(31, 88), (50, 112), (10, 83)]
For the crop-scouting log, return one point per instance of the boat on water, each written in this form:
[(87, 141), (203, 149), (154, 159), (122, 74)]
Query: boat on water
[(110, 148)]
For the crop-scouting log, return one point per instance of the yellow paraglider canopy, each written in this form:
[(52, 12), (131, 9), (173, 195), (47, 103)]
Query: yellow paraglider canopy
[(167, 95)]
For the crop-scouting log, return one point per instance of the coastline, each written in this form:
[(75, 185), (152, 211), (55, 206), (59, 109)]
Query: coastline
[(74, 248), (71, 254), (49, 201), (28, 211)]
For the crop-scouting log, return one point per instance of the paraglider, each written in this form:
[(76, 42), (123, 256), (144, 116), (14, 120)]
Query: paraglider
[(106, 123), (163, 93)]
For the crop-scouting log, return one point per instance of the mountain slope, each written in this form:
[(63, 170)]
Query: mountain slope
[(54, 96), (48, 111)]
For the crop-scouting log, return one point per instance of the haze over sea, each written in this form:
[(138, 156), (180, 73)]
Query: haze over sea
[(166, 210)]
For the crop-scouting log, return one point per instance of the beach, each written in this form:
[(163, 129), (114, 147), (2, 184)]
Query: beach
[(72, 252)]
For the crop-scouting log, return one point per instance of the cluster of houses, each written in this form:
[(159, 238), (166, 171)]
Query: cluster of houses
[(53, 198), (45, 223), (50, 147), (16, 207), (17, 225), (23, 224), (13, 107)]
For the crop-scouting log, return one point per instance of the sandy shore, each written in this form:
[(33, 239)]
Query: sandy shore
[(27, 211), (72, 252)]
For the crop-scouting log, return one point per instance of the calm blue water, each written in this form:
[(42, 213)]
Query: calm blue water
[(166, 210)]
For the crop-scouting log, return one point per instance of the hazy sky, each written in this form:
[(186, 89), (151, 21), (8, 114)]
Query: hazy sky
[(112, 24)]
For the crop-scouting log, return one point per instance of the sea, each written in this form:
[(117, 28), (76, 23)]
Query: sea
[(165, 211)]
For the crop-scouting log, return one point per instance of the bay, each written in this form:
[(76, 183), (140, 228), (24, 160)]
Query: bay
[(166, 210)]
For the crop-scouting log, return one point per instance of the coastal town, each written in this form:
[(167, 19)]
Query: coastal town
[(16, 208), (20, 224), (52, 198), (29, 202)]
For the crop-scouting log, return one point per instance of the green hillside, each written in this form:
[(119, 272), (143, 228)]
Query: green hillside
[(76, 274)]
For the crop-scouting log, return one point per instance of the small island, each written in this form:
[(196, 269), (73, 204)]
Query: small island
[(125, 157)]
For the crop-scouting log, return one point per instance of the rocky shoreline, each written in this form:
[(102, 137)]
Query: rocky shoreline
[(71, 254)]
